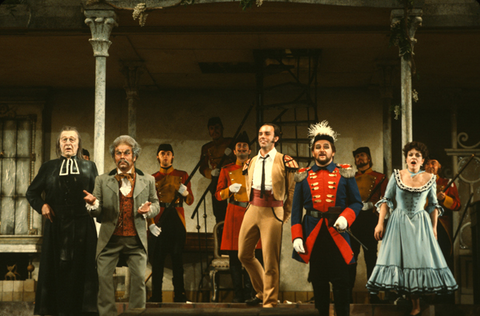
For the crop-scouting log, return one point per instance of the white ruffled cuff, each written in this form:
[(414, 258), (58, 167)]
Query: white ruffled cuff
[(145, 215), (92, 207)]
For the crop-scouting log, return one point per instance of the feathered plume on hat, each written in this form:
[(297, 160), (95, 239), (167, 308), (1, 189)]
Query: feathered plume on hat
[(322, 131)]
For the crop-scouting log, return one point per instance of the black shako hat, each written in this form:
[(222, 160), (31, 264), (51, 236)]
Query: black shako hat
[(214, 121), (242, 138), (165, 147), (362, 150)]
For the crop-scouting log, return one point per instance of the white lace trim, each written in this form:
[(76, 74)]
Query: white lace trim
[(405, 187), (93, 207)]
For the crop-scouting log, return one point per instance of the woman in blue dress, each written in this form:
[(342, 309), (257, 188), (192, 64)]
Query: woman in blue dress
[(410, 260)]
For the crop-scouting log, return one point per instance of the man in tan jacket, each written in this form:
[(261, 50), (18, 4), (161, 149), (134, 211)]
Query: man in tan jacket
[(270, 187)]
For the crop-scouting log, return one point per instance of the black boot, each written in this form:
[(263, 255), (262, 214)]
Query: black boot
[(341, 299), (248, 290), (321, 291), (236, 272)]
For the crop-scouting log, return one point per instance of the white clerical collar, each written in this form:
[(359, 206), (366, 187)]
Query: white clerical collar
[(70, 167)]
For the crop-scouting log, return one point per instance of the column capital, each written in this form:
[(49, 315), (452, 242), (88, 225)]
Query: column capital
[(415, 17), (101, 23)]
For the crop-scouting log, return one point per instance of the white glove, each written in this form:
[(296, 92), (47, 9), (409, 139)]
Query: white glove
[(298, 245), (227, 151), (341, 224), (215, 172), (155, 230), (367, 206), (183, 189), (234, 188)]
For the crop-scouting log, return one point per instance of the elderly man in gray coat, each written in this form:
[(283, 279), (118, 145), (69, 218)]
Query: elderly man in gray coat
[(122, 200)]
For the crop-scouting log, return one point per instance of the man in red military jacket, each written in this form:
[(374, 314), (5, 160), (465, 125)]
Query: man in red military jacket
[(329, 194), (231, 185), (168, 228), (371, 185), (451, 203)]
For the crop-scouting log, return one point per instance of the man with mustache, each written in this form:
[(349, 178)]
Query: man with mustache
[(329, 194), (212, 154), (270, 186), (450, 201), (231, 185), (67, 279), (124, 198), (371, 185), (168, 228)]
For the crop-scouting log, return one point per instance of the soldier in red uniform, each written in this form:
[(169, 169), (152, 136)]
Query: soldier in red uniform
[(231, 185), (329, 194), (451, 203), (212, 154), (168, 228), (371, 185)]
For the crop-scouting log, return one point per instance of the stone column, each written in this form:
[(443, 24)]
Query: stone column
[(385, 71), (406, 73), (132, 70), (101, 23)]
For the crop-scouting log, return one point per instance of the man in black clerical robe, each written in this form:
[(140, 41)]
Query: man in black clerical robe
[(67, 278)]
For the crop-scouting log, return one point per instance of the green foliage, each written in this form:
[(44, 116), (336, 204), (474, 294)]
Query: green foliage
[(246, 4), (399, 37)]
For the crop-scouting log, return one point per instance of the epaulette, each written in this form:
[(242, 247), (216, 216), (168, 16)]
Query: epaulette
[(346, 170), (245, 166), (289, 162), (301, 174)]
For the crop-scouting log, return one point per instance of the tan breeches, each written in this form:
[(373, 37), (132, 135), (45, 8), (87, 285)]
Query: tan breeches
[(260, 222)]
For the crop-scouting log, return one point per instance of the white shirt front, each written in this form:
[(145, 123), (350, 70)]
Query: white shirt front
[(126, 185), (257, 172)]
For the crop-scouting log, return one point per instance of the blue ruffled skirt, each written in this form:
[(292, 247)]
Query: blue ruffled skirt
[(410, 259)]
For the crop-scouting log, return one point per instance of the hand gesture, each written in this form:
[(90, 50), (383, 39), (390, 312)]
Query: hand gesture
[(145, 208), (235, 187), (47, 212), (89, 198), (379, 230), (441, 196), (215, 172), (367, 206), (341, 224), (155, 230), (183, 190), (298, 245)]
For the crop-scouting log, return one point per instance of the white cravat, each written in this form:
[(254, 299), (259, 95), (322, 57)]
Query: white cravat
[(126, 187), (257, 171)]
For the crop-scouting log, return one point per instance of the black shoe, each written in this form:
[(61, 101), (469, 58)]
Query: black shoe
[(181, 298), (238, 300), (254, 301)]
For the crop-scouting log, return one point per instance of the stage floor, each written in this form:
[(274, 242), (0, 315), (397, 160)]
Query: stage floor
[(230, 309)]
